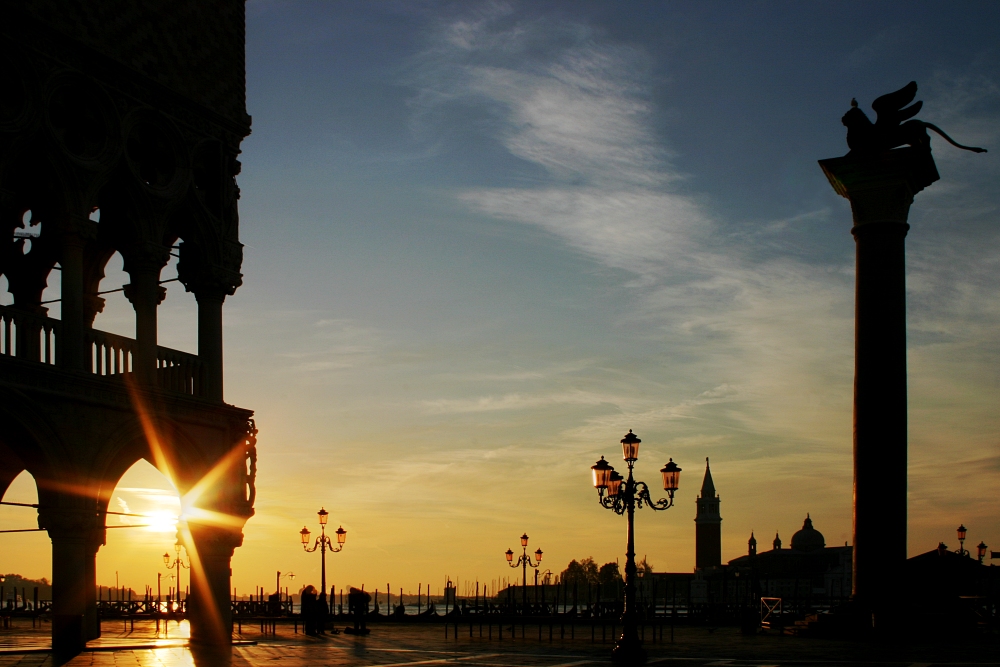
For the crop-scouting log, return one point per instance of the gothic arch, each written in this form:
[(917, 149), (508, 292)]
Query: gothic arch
[(28, 437)]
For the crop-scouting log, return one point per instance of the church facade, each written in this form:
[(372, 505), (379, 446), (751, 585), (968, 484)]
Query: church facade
[(807, 574)]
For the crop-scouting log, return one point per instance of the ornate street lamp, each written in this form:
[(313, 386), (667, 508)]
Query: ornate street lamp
[(177, 564), (524, 561), (624, 496), (323, 543), (961, 551), (282, 575), (981, 550)]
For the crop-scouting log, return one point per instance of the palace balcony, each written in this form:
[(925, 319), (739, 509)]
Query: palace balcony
[(32, 338)]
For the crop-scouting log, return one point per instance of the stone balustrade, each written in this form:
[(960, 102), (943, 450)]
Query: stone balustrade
[(31, 337)]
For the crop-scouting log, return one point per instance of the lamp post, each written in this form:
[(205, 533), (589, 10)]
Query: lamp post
[(323, 543), (624, 496), (524, 561), (178, 564), (981, 550), (961, 551), (287, 575)]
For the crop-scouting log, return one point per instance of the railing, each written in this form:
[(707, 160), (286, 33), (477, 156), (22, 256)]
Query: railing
[(141, 607), (108, 353), (27, 336), (255, 609), (178, 371), (32, 337)]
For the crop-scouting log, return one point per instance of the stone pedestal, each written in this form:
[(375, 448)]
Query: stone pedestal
[(880, 188)]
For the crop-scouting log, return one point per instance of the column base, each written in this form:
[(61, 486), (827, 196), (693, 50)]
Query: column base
[(211, 655), (67, 637)]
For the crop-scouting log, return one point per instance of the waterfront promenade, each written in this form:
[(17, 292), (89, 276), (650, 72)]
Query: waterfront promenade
[(400, 646)]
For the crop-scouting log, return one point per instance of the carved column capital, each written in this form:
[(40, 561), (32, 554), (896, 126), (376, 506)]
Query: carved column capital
[(92, 305), (84, 526), (206, 279), (131, 293), (145, 257), (214, 541), (76, 229), (881, 186)]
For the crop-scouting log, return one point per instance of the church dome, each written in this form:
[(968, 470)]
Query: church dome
[(808, 539)]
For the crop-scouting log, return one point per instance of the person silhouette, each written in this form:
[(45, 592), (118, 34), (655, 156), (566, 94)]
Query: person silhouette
[(357, 601), (308, 610), (321, 611)]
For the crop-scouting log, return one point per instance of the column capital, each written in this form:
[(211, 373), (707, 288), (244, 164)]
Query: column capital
[(211, 273), (214, 541), (83, 525), (131, 294), (145, 257), (208, 281), (881, 186), (75, 230)]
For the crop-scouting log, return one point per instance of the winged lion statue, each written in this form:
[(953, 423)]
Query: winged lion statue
[(889, 129)]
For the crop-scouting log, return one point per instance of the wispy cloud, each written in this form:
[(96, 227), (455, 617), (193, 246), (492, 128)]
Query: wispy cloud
[(724, 311)]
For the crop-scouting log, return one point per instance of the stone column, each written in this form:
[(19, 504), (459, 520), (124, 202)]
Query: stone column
[(209, 609), (75, 538), (70, 343), (880, 188), (143, 265), (210, 341), (91, 621)]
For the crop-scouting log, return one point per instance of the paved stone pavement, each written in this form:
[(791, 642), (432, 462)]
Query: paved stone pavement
[(425, 645)]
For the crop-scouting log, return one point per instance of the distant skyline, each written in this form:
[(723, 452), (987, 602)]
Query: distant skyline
[(485, 239)]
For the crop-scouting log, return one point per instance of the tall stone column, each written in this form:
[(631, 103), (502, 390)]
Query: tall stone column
[(210, 341), (143, 265), (91, 620), (209, 609), (73, 238), (75, 536), (211, 284), (880, 187)]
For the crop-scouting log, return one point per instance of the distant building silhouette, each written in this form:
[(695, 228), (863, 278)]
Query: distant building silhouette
[(808, 574), (943, 589), (708, 524)]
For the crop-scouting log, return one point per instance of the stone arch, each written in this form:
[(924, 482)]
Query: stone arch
[(134, 545), (25, 553), (10, 467), (174, 454), (27, 441)]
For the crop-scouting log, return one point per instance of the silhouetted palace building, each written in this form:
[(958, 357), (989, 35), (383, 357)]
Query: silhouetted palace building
[(120, 128)]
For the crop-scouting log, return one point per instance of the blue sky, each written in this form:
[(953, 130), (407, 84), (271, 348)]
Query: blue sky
[(485, 239)]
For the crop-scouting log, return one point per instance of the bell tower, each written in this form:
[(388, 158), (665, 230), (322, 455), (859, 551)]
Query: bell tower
[(708, 524)]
